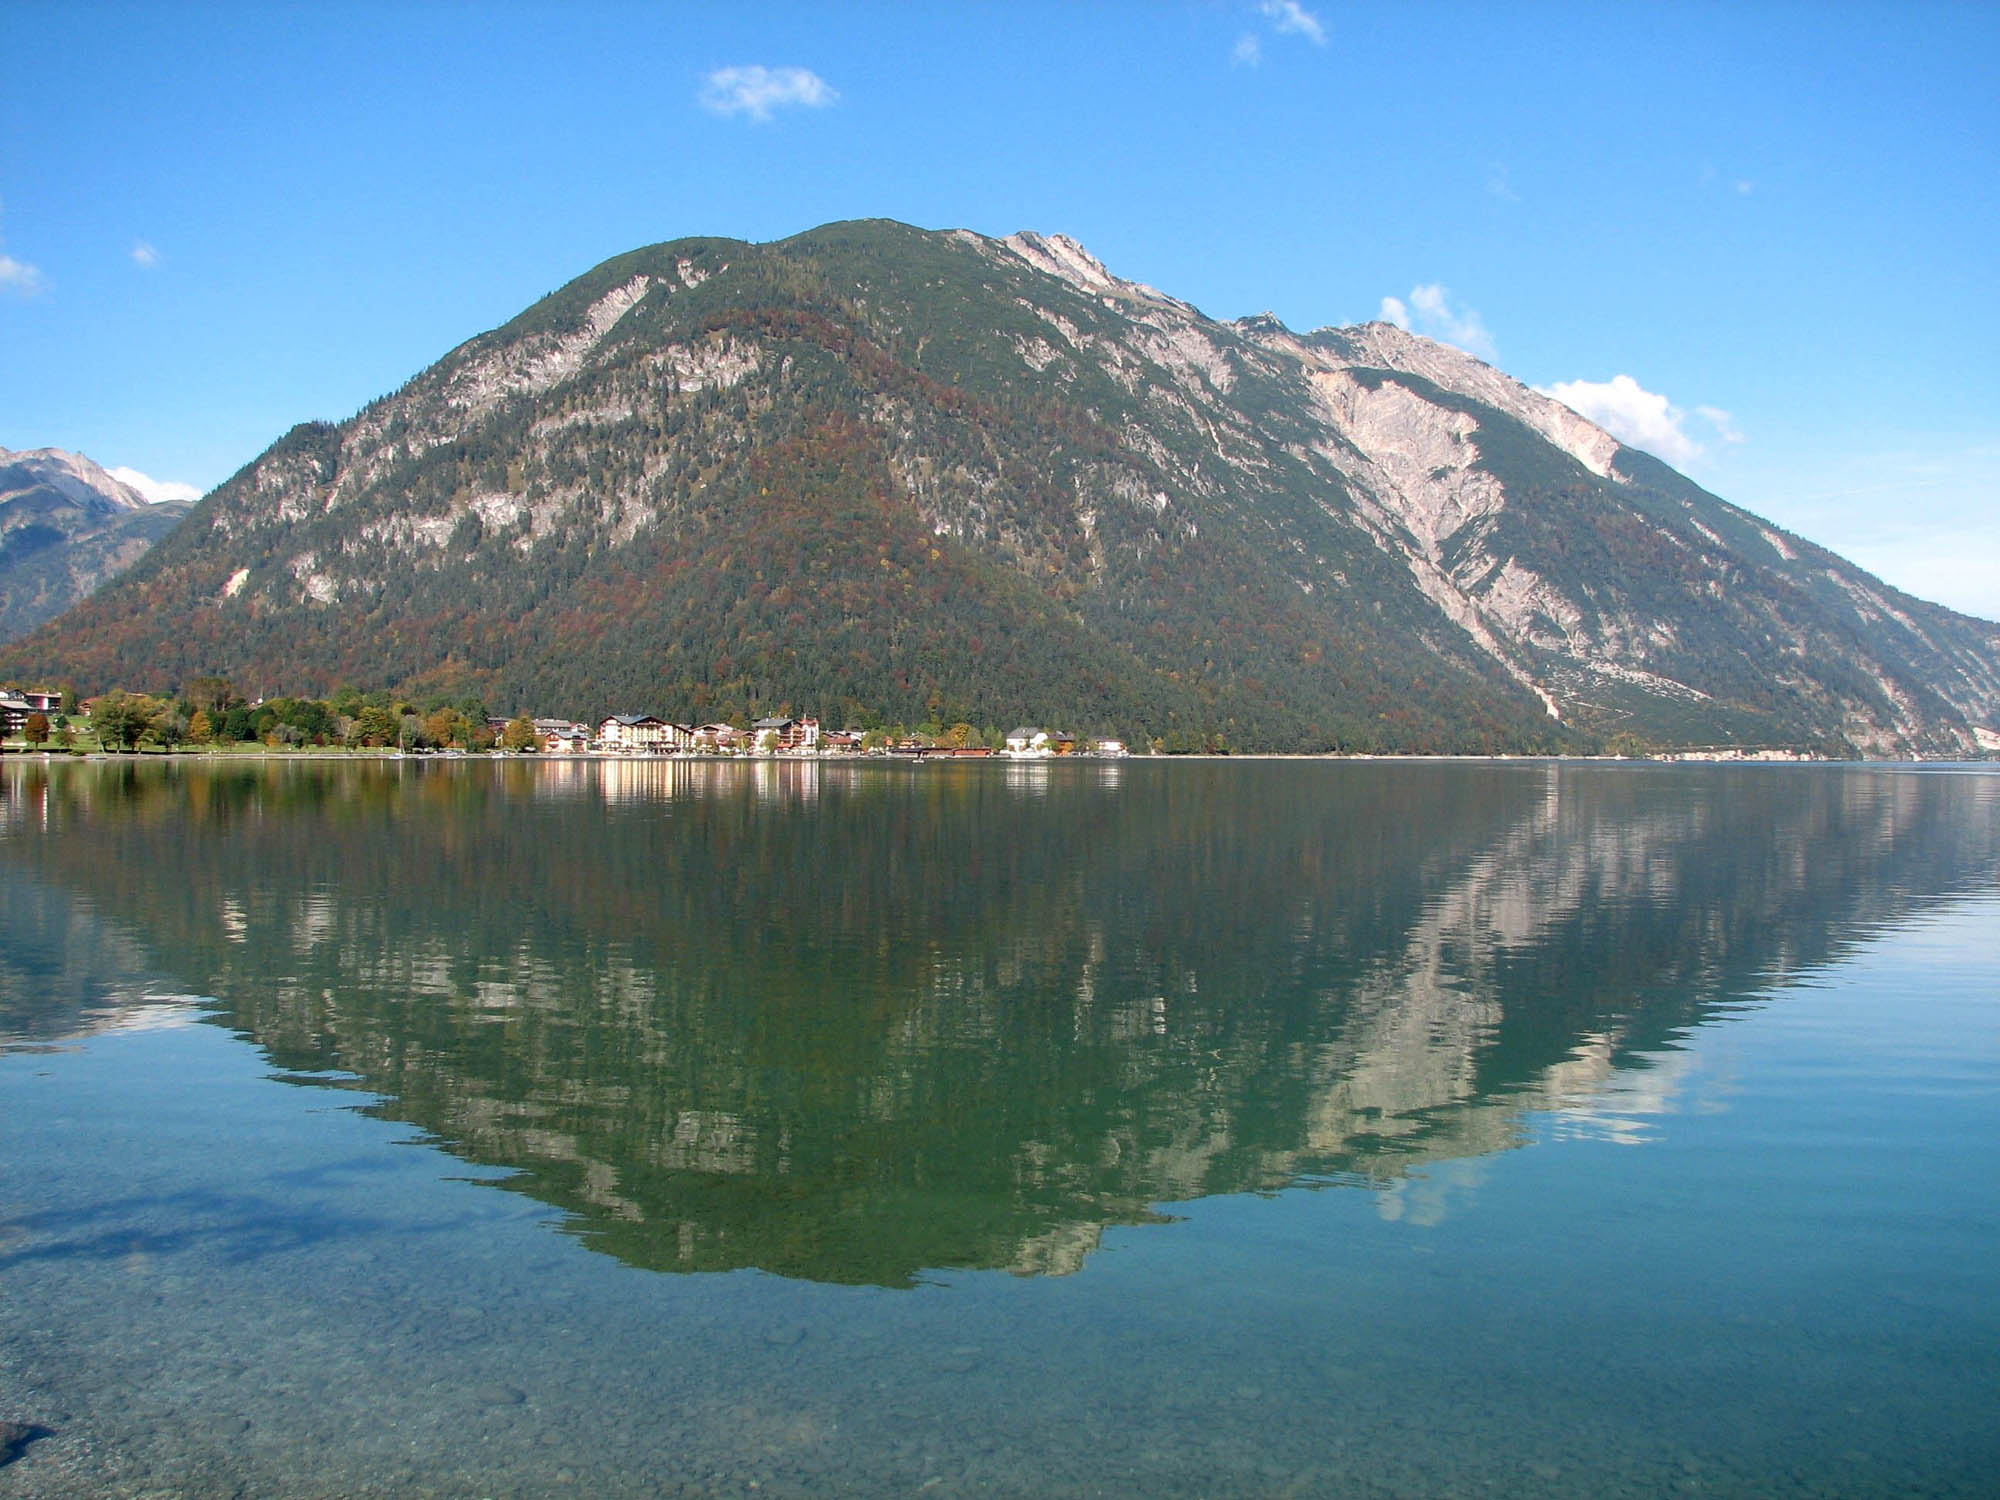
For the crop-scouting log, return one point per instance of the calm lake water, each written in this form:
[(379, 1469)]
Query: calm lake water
[(1190, 1129)]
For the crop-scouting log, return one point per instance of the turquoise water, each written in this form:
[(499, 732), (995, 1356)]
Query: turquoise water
[(1144, 1129)]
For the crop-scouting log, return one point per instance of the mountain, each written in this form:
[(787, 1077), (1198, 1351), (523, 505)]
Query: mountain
[(67, 526), (887, 474)]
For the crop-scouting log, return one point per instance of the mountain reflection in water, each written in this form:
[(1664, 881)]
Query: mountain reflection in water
[(850, 1022)]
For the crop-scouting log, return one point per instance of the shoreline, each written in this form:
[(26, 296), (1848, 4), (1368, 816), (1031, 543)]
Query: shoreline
[(328, 754)]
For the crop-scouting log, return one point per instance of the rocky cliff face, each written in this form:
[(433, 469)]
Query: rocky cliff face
[(879, 473), (66, 527), (1549, 554)]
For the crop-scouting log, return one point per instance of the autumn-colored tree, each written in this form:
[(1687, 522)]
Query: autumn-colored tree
[(519, 734), (376, 726), (443, 726), (36, 730), (200, 728)]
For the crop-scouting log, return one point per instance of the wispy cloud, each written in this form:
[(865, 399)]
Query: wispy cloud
[(758, 91), (20, 278), (1646, 419), (1724, 424), (1431, 312), (156, 490), (1500, 183), (1712, 178), (1290, 18), (17, 276), (1281, 18), (145, 256)]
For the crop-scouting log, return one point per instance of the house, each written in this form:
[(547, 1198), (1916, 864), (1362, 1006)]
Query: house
[(15, 707), (1063, 742), (635, 733), (1028, 741), (785, 734), (841, 741), (715, 739), (1111, 747), (566, 739)]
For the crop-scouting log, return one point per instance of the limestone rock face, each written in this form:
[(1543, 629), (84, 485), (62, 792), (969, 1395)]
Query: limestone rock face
[(880, 474)]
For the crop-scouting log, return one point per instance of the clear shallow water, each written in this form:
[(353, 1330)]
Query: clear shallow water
[(1180, 1129)]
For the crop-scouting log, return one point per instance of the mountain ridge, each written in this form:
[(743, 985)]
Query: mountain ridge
[(67, 525), (893, 474)]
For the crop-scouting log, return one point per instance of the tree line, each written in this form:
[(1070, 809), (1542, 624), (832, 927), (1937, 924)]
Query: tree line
[(209, 712)]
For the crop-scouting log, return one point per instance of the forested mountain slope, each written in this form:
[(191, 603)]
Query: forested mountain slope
[(886, 474)]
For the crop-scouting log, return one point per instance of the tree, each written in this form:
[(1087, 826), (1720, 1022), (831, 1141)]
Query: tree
[(200, 730), (443, 726), (36, 731), (216, 695), (376, 726), (119, 719), (520, 734)]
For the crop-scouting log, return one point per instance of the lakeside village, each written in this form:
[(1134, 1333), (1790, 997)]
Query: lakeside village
[(210, 717)]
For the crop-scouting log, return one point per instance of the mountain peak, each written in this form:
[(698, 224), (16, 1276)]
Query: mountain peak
[(66, 526), (79, 478), (1059, 255)]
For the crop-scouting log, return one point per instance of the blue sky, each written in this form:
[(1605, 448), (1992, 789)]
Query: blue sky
[(1777, 222)]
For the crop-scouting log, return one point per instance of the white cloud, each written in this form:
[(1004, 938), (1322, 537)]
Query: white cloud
[(1645, 419), (1248, 51), (20, 278), (1431, 313), (1500, 183), (145, 256), (1290, 17), (756, 91), (156, 490)]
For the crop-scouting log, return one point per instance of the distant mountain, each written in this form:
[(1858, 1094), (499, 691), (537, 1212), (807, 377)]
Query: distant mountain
[(882, 473), (66, 526)]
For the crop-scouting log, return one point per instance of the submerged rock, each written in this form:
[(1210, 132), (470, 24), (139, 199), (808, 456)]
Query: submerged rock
[(15, 1437)]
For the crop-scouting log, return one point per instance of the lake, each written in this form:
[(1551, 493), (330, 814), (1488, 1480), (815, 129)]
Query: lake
[(1130, 1128)]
